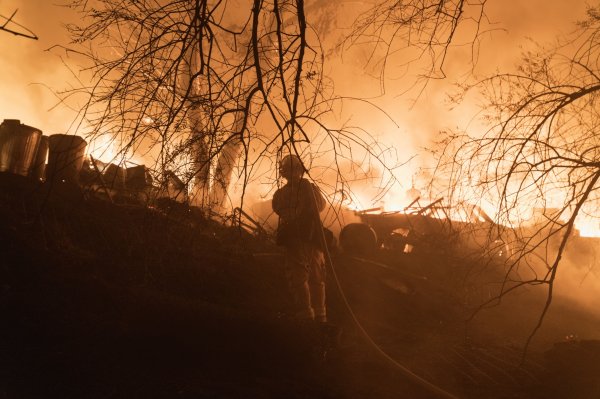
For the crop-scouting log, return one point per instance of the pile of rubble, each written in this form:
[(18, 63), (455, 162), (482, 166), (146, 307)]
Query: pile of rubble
[(60, 160)]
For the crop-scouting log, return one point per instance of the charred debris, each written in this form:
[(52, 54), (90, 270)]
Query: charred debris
[(112, 286)]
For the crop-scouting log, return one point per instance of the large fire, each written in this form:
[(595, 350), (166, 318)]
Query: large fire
[(586, 225), (103, 149)]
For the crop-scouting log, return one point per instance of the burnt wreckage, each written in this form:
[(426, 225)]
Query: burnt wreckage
[(25, 149), (427, 228)]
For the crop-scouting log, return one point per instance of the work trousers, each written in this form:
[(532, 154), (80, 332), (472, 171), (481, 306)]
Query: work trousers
[(305, 268)]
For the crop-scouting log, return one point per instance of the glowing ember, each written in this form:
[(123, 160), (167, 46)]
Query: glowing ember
[(102, 148)]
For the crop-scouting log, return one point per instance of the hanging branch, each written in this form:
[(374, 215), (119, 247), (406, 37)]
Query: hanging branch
[(4, 27), (197, 83)]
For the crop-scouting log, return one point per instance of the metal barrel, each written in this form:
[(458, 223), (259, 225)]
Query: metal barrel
[(65, 157), (39, 165), (18, 146), (137, 177)]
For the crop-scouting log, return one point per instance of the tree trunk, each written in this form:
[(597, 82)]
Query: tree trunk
[(199, 130), (200, 160), (228, 157)]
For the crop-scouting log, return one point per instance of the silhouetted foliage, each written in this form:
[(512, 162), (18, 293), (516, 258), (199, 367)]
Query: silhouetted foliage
[(418, 34), (209, 87), (539, 163)]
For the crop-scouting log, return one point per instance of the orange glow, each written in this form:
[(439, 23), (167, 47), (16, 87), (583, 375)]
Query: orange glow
[(395, 201), (102, 148), (588, 227), (106, 149)]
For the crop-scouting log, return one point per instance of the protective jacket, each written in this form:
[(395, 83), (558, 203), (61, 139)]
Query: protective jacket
[(298, 204)]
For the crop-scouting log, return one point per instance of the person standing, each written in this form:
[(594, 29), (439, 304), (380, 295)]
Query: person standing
[(298, 204)]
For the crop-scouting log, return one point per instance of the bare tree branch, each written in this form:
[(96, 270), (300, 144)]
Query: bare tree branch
[(208, 89), (8, 21), (541, 154)]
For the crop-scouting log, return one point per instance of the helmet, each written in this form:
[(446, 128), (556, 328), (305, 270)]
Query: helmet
[(291, 166)]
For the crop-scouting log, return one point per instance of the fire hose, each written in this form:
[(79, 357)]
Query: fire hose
[(418, 380)]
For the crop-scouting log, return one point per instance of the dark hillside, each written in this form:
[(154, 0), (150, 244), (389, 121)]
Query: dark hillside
[(111, 301)]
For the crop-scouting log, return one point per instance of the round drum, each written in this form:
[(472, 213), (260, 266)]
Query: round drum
[(65, 157), (358, 239), (18, 146)]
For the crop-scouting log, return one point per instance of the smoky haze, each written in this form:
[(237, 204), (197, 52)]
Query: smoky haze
[(29, 74)]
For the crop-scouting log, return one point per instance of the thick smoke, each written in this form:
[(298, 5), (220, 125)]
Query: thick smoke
[(28, 72)]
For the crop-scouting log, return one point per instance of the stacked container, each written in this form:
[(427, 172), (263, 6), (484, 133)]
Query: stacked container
[(19, 146)]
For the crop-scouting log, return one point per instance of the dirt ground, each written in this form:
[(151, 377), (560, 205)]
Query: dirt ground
[(122, 301)]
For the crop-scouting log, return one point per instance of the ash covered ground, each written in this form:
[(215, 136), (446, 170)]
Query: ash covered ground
[(99, 300)]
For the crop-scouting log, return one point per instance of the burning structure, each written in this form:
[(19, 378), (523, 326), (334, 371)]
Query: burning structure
[(61, 159), (422, 228)]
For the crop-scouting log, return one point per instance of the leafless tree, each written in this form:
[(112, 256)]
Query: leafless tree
[(542, 152), (207, 86)]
